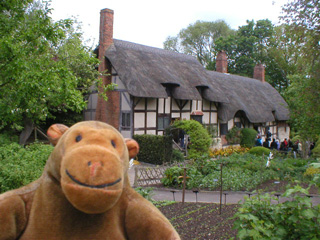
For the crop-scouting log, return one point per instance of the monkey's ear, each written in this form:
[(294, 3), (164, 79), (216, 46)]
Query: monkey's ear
[(133, 147), (55, 131)]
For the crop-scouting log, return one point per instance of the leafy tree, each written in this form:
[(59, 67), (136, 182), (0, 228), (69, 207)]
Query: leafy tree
[(303, 94), (247, 47), (44, 67), (198, 40)]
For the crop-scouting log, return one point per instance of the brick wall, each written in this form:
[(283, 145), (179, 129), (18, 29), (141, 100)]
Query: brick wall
[(259, 72), (222, 62), (109, 111)]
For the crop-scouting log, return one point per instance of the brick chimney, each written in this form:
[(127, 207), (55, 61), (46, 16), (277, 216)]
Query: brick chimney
[(222, 62), (258, 72), (109, 111)]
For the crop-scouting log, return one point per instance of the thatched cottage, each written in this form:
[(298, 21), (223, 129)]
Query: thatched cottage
[(156, 86)]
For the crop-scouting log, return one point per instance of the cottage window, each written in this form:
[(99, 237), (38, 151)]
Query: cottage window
[(223, 128), (197, 118), (163, 121), (126, 120)]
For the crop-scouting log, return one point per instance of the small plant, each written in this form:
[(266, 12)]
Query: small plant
[(177, 156), (233, 136), (257, 218), (147, 193), (227, 151), (172, 176)]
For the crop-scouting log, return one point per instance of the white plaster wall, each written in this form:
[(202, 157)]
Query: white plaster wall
[(139, 120), (205, 118), (283, 133), (175, 115), (174, 105), (151, 119), (139, 132), (141, 104), (153, 132), (206, 104), (152, 104), (230, 124), (196, 105), (117, 80), (125, 106), (214, 117), (167, 103), (161, 102), (126, 134), (185, 116)]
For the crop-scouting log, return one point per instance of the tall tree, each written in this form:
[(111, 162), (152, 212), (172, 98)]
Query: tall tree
[(303, 94), (198, 40), (43, 65), (247, 47)]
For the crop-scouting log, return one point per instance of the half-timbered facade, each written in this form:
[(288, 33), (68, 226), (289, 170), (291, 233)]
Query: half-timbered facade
[(156, 87)]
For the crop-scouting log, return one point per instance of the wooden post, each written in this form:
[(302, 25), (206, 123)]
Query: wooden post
[(220, 188), (184, 184), (135, 182)]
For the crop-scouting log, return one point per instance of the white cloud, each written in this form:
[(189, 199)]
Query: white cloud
[(151, 22)]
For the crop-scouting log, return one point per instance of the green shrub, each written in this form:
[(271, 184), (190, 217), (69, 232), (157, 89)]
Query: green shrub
[(177, 156), (247, 137), (233, 136), (257, 218), (154, 149), (200, 140), (172, 176), (7, 138), (316, 150), (20, 166), (259, 151)]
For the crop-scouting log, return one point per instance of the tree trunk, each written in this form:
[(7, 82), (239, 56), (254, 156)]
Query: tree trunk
[(25, 134)]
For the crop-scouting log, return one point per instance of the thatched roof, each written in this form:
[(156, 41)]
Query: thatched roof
[(259, 100), (146, 71)]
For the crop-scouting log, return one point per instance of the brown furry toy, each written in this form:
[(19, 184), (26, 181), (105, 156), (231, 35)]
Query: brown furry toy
[(84, 192)]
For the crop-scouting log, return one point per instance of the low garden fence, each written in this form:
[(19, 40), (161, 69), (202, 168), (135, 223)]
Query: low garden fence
[(148, 176)]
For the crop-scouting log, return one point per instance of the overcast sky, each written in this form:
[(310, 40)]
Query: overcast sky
[(150, 22)]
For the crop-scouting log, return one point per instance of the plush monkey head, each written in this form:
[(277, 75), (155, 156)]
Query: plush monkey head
[(91, 161)]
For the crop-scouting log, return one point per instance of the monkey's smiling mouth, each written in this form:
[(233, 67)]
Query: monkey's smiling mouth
[(92, 186)]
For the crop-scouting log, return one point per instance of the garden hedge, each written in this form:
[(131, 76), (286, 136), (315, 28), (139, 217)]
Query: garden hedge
[(247, 137), (21, 165), (154, 149)]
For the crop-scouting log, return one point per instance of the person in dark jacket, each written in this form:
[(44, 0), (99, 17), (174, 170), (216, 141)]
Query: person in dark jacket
[(274, 144), (266, 143)]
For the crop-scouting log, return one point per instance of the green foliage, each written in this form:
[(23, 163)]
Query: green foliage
[(7, 138), (259, 151), (198, 40), (172, 176), (247, 47), (247, 137), (20, 166), (257, 218), (233, 135), (199, 137), (147, 192), (177, 156), (154, 149), (241, 172), (44, 67)]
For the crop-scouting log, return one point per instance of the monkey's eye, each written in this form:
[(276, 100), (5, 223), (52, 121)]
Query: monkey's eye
[(113, 143), (78, 138)]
